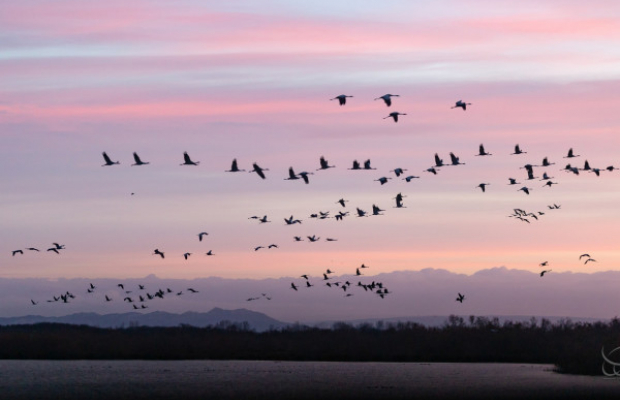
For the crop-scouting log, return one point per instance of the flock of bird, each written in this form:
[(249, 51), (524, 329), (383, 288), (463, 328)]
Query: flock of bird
[(377, 288)]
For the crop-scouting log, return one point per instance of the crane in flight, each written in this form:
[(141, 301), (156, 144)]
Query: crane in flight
[(481, 151), (394, 115), (108, 160), (387, 98), (137, 160), (324, 164), (518, 151), (342, 99), (187, 160), (234, 167), (461, 104), (159, 253), (259, 171)]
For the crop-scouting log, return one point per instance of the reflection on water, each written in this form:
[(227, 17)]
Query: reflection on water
[(270, 380)]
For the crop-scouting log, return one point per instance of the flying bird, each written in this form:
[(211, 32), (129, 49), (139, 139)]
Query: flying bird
[(513, 181), (201, 235), (367, 165), (454, 160), (483, 186), (461, 104), (156, 251), (188, 161), (108, 161), (210, 253), (460, 298), (234, 167), (304, 176), (186, 255), (341, 202), (398, 171), (342, 99), (518, 151), (387, 98), (542, 273), (324, 164), (291, 175), (571, 154), (481, 151), (32, 249), (17, 252), (410, 177), (383, 180), (259, 171), (525, 190), (394, 115), (137, 160)]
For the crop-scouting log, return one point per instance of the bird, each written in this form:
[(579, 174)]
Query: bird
[(186, 255), (17, 252), (308, 284), (394, 115), (569, 168), (455, 160), (331, 240), (513, 181), (460, 298), (313, 238), (483, 186), (546, 177), (383, 180), (360, 212), (34, 303), (293, 286), (272, 246), (234, 167), (398, 171), (201, 235), (108, 161), (156, 251), (324, 164), (259, 171), (589, 259), (571, 154), (367, 165), (263, 220), (304, 176), (210, 253), (55, 250), (32, 249), (376, 210), (546, 163), (137, 160), (525, 189), (387, 98), (544, 263), (107, 298), (342, 99), (410, 177), (356, 165), (357, 272), (461, 104), (187, 160), (432, 170), (291, 221), (341, 202), (438, 161), (518, 151), (584, 255), (298, 238), (291, 175), (304, 276), (530, 171), (192, 290), (550, 183), (586, 166), (59, 246), (481, 151), (542, 273), (120, 285), (257, 248)]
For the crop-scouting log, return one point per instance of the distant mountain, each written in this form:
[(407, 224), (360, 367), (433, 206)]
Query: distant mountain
[(257, 321)]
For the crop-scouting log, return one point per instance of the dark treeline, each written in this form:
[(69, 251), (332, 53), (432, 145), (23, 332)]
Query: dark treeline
[(572, 347)]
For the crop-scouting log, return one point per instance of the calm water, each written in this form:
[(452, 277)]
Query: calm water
[(298, 380)]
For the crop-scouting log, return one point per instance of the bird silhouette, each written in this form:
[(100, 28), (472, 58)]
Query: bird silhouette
[(342, 99), (55, 250), (513, 181), (291, 221), (367, 165), (137, 160), (461, 104), (460, 298), (525, 190), (454, 160), (483, 186), (341, 202), (387, 98), (293, 286), (304, 176), (571, 154), (518, 151), (32, 249), (156, 251), (186, 255), (259, 171), (394, 115), (210, 253), (188, 161), (234, 167), (201, 235), (17, 252), (383, 180), (481, 151), (410, 177), (291, 175), (356, 165), (108, 160), (542, 273), (324, 164)]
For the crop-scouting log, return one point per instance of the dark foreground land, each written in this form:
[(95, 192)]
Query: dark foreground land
[(200, 379), (572, 347)]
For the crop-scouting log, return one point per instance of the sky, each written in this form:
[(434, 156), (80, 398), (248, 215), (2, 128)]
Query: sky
[(253, 81)]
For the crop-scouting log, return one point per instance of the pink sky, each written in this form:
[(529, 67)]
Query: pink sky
[(254, 83)]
